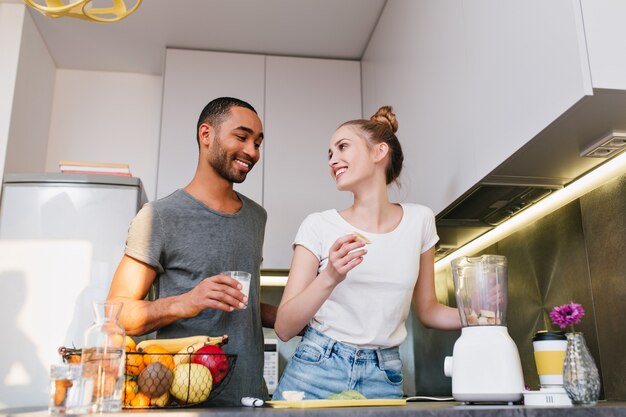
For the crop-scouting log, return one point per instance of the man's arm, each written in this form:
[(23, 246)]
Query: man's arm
[(268, 315), (132, 281)]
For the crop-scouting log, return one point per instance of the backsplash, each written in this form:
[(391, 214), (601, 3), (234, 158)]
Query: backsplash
[(577, 253)]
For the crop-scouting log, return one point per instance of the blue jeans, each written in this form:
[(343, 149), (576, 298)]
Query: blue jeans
[(322, 366)]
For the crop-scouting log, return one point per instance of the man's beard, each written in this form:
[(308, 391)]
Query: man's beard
[(222, 162)]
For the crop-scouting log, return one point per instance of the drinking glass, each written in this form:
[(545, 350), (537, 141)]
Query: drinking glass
[(243, 278), (69, 392)]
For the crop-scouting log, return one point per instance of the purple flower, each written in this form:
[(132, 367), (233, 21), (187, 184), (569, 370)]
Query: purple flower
[(567, 315)]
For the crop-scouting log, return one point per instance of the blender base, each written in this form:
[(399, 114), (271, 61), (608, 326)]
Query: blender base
[(552, 396)]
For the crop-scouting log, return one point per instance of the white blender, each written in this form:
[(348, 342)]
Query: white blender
[(485, 364)]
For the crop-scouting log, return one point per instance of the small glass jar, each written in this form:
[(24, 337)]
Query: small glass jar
[(103, 358)]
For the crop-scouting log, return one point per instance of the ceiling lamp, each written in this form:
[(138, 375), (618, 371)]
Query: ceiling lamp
[(84, 9)]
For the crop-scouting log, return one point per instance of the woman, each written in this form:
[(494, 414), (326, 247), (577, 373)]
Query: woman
[(354, 273)]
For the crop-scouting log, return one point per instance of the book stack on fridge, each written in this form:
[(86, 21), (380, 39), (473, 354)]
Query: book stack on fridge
[(101, 168)]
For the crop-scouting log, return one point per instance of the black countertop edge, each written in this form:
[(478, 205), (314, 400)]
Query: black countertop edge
[(426, 409)]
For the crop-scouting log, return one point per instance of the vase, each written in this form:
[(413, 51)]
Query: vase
[(103, 358), (581, 379)]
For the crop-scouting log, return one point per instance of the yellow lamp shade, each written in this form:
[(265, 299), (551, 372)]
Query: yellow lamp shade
[(83, 9)]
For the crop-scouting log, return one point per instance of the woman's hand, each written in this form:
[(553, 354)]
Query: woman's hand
[(307, 290), (346, 253)]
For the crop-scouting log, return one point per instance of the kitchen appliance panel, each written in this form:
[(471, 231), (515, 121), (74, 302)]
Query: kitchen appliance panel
[(63, 236)]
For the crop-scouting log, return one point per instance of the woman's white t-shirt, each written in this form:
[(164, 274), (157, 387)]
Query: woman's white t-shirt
[(369, 308)]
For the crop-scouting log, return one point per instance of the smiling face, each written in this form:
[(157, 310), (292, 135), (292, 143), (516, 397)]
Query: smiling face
[(235, 144), (350, 158)]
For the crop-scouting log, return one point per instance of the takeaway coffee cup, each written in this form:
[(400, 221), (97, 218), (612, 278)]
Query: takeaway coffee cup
[(549, 348)]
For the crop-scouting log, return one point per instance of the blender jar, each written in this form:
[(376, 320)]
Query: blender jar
[(480, 285)]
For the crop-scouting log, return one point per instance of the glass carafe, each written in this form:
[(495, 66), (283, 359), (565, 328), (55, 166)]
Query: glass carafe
[(480, 285), (103, 357)]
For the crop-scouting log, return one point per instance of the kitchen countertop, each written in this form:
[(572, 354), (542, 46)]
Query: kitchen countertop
[(426, 409)]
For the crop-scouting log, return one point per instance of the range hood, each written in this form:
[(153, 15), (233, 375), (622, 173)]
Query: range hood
[(548, 162)]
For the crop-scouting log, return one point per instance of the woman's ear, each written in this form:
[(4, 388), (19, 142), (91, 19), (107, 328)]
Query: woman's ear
[(204, 134), (380, 151)]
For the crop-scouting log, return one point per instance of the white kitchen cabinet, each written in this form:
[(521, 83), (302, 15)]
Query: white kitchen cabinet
[(301, 102), (472, 82), (191, 80), (526, 66), (605, 42), (306, 100)]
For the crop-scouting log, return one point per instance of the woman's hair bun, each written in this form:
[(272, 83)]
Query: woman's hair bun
[(386, 116)]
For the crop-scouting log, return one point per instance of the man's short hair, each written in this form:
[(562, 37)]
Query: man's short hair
[(216, 111)]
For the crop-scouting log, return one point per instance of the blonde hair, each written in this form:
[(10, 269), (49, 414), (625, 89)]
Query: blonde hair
[(382, 128)]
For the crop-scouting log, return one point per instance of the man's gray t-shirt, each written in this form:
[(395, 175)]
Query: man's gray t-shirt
[(185, 241)]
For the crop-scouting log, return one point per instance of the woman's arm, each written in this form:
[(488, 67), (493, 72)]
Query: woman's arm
[(430, 312), (306, 291)]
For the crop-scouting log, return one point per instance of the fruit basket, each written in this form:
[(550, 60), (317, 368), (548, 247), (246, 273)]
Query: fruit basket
[(157, 377)]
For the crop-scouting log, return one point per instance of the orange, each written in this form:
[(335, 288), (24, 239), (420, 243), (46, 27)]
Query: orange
[(115, 341), (73, 359), (134, 363), (140, 400), (130, 345), (130, 391), (157, 353)]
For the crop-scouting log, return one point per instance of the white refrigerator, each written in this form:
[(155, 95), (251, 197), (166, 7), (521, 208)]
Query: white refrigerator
[(61, 239)]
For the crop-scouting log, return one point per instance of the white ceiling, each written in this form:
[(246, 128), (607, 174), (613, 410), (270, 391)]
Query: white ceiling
[(312, 28)]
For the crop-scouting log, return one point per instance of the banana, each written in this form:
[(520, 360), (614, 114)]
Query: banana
[(175, 345), (218, 340), (184, 355), (161, 401)]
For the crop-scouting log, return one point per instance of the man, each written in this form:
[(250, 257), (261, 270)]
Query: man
[(182, 242)]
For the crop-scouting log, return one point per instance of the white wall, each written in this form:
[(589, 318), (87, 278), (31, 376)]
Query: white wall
[(32, 104), (604, 29), (107, 117), (471, 83), (11, 23)]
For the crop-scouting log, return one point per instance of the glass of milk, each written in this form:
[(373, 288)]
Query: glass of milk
[(243, 278)]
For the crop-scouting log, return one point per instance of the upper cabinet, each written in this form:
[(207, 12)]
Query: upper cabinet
[(191, 80), (306, 100), (301, 102), (472, 82), (603, 25)]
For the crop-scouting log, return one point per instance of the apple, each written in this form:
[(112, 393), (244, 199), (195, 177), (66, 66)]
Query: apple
[(214, 358)]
